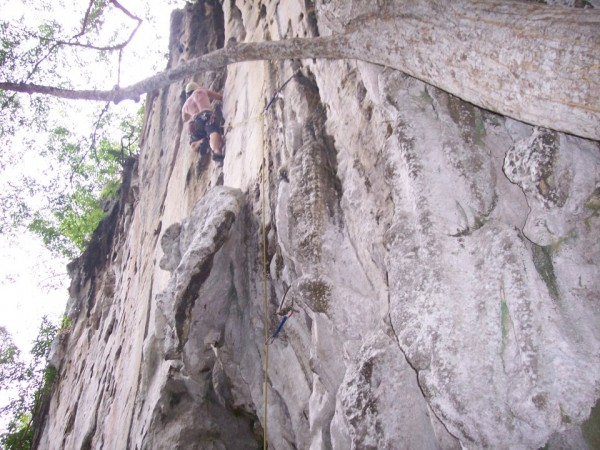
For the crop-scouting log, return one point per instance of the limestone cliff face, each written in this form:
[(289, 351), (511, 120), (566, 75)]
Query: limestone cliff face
[(440, 262)]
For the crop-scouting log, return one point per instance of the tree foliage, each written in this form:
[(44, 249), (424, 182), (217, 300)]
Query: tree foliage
[(31, 51), (81, 177), (60, 164), (10, 363), (30, 382)]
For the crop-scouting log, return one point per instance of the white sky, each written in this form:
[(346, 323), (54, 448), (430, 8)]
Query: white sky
[(26, 266), (24, 269)]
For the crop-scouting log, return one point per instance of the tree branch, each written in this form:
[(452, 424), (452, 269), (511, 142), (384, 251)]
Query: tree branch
[(73, 42), (125, 11), (108, 48), (40, 61), (92, 146), (323, 47), (472, 49), (85, 20)]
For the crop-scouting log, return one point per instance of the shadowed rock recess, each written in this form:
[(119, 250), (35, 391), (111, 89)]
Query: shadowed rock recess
[(442, 265)]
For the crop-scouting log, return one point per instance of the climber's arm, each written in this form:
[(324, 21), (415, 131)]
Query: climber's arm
[(185, 115), (214, 95)]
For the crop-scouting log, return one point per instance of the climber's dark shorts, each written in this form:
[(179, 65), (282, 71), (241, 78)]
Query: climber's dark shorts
[(205, 123)]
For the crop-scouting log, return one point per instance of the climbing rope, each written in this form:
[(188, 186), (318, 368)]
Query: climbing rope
[(264, 173), (264, 177), (244, 122)]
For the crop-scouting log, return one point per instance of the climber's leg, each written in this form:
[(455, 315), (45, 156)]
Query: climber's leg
[(196, 145), (216, 145)]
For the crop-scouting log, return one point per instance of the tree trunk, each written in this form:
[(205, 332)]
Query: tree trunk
[(536, 63)]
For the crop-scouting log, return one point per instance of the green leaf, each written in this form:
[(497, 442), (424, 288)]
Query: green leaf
[(33, 381)]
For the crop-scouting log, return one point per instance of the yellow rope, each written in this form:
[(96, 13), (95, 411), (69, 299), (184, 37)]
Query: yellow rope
[(264, 178), (243, 122), (264, 171)]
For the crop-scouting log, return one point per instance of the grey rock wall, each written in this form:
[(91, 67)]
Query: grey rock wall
[(440, 263)]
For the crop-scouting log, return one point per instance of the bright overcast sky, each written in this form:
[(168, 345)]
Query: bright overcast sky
[(26, 268)]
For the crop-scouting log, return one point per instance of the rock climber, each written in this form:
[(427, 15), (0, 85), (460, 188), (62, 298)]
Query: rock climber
[(201, 121)]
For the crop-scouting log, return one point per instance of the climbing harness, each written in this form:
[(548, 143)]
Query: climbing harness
[(205, 123)]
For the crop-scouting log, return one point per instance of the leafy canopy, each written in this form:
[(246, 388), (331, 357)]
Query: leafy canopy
[(29, 382), (60, 163), (81, 180)]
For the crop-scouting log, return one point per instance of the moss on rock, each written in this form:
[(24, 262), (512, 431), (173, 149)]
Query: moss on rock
[(316, 293), (542, 258), (591, 427)]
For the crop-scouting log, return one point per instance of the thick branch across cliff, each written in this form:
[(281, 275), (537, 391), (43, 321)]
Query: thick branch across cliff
[(535, 63), (331, 47)]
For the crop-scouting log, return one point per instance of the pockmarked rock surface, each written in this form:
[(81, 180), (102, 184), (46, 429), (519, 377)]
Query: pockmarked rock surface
[(438, 265)]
